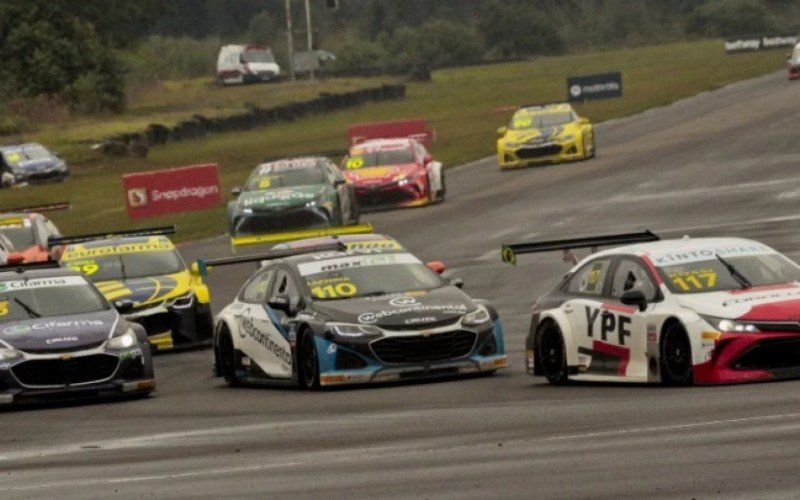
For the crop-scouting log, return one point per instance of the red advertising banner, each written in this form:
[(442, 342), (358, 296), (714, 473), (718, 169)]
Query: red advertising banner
[(148, 194)]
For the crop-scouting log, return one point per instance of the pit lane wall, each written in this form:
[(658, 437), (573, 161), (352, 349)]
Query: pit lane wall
[(148, 194)]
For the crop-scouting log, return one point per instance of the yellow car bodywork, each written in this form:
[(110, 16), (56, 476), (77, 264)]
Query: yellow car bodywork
[(150, 294), (551, 133)]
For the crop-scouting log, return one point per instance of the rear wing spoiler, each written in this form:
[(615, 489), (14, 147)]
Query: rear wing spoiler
[(542, 104), (82, 238), (49, 207), (319, 154), (24, 266), (414, 129), (274, 238), (508, 253), (203, 266)]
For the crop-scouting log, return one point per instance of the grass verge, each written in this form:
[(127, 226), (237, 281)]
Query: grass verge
[(460, 104)]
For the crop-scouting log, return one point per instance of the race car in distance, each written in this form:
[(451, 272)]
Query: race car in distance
[(545, 133), (28, 231), (390, 167), (61, 339), (141, 272), (793, 63), (353, 310), (703, 311), (24, 163), (293, 198)]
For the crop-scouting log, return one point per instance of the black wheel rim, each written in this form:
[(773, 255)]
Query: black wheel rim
[(552, 352), (677, 355), (309, 361), (226, 357)]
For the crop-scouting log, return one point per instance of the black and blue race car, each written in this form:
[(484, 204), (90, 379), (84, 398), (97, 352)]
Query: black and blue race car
[(351, 310), (61, 339), (30, 162)]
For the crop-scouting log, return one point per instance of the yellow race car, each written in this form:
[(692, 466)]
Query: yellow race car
[(545, 133), (142, 274)]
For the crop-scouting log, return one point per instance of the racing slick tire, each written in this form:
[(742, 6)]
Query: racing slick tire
[(309, 361), (676, 356), (442, 192), (226, 357), (552, 353), (588, 151)]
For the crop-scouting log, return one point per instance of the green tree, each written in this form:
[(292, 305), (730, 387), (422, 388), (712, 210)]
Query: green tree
[(515, 29), (730, 17)]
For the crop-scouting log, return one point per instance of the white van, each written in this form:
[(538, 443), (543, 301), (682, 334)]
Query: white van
[(246, 64)]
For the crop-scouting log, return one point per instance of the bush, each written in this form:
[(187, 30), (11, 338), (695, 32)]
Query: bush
[(730, 17), (515, 30), (164, 58)]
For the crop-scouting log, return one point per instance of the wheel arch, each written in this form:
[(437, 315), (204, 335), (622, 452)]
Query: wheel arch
[(560, 319)]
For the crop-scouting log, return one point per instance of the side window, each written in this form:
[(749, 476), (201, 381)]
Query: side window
[(590, 278), (285, 284), (257, 289), (631, 275)]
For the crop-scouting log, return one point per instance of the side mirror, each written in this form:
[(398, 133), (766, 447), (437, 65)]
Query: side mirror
[(502, 131), (281, 302), (436, 266), (634, 298), (236, 191), (457, 282), (198, 268), (124, 306)]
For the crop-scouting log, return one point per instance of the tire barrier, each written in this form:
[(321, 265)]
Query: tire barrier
[(137, 144)]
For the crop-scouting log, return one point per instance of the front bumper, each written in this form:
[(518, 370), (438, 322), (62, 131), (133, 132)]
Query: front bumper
[(66, 376), (32, 177), (751, 357), (392, 195), (175, 328), (363, 363), (794, 72), (534, 154), (275, 221)]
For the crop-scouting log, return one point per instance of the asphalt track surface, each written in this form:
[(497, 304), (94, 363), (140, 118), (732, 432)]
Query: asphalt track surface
[(721, 163)]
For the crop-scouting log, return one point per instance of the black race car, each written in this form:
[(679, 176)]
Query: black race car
[(357, 310), (61, 339)]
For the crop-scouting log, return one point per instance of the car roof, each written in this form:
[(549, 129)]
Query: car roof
[(707, 245)]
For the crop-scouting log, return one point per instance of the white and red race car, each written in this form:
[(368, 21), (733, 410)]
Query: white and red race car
[(390, 166), (703, 311)]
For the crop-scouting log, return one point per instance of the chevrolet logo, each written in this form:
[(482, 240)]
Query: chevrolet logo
[(66, 357)]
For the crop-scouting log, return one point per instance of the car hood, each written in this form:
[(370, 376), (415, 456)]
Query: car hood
[(380, 175), (281, 197), (536, 134), (402, 311), (36, 165), (147, 291), (59, 333), (765, 303)]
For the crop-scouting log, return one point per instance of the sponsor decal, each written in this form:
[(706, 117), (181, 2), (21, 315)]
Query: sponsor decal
[(338, 262), (287, 164), (652, 333), (609, 323), (746, 43), (600, 86), (249, 329), (373, 317), (5, 367), (131, 354), (148, 194), (776, 297), (416, 321), (10, 286), (332, 349), (57, 340), (81, 252), (403, 301), (700, 254), (282, 195), (51, 325)]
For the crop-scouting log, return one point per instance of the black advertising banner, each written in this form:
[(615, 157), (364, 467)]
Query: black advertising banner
[(588, 87), (748, 43)]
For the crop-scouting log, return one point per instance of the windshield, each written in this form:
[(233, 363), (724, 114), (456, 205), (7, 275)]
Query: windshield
[(34, 152), (128, 265), (712, 275), (46, 297), (259, 56), (375, 158), (359, 276), (20, 237), (269, 176), (524, 120)]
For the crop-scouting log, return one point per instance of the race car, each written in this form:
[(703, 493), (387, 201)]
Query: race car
[(390, 166), (793, 63), (61, 339), (31, 162), (351, 310), (545, 133), (28, 231), (293, 198), (702, 311), (141, 272)]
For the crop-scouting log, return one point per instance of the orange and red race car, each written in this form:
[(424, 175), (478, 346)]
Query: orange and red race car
[(27, 230), (390, 166)]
